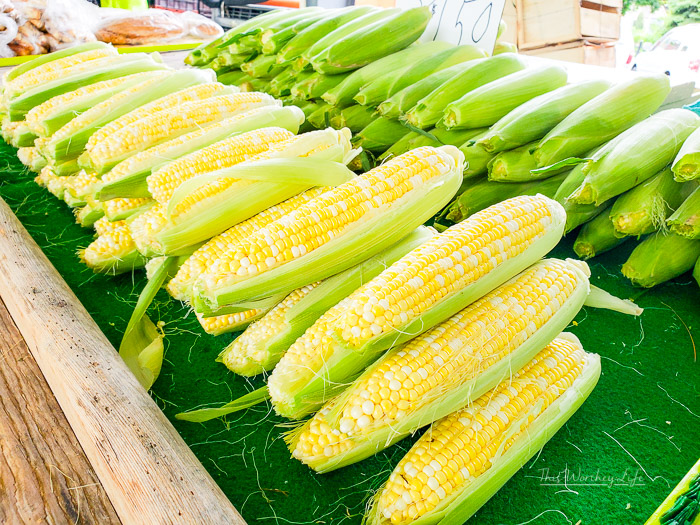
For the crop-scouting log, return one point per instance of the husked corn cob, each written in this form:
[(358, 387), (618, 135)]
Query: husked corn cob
[(223, 324), (129, 177), (442, 370), (406, 191), (422, 289), (78, 186), (120, 209), (104, 225), (167, 124), (464, 458), (262, 345), (180, 286), (89, 214), (42, 61), (222, 154), (31, 158), (113, 251), (686, 165), (207, 205)]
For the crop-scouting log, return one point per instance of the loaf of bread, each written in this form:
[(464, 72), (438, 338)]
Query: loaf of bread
[(155, 27)]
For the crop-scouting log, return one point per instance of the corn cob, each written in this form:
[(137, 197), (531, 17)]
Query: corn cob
[(440, 371), (634, 156), (660, 257), (321, 117), (380, 134), (401, 102), (121, 209), (282, 82), (504, 47), (31, 158), (602, 118), (209, 204), (180, 286), (89, 214), (470, 76), (47, 118), (685, 221), (273, 40), (227, 60), (597, 236), (320, 46), (288, 22), (535, 118), (230, 78), (45, 64), (514, 165), (344, 92), (488, 103), (50, 71), (165, 125), (464, 458), (683, 503), (644, 208), (476, 159), (47, 179), (254, 26), (372, 42), (129, 177), (355, 118), (316, 85), (89, 73), (484, 193), (342, 342), (69, 141), (350, 219), (224, 324), (113, 251), (262, 345), (78, 186), (262, 66), (434, 137), (392, 82), (686, 165)]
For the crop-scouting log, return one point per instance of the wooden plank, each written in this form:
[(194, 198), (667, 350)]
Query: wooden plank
[(146, 468), (580, 52), (44, 474), (600, 24)]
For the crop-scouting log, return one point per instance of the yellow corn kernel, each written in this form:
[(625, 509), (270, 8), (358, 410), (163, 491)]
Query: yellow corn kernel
[(222, 324), (120, 207)]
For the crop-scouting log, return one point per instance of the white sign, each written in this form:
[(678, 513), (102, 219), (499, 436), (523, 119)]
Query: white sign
[(462, 21)]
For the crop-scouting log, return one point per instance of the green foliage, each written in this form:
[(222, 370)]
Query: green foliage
[(631, 4), (681, 12)]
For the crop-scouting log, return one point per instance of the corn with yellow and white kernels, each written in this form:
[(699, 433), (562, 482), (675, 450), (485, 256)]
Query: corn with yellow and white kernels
[(78, 186), (31, 158), (419, 291), (180, 286), (443, 473), (223, 324), (403, 192), (163, 125), (113, 251), (119, 209), (438, 372), (222, 154)]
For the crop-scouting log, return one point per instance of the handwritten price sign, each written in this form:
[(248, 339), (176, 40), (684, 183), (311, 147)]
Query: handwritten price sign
[(462, 21)]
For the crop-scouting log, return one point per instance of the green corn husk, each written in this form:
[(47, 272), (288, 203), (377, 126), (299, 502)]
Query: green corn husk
[(467, 78), (231, 78), (312, 34), (251, 84), (504, 47), (434, 137), (41, 60), (275, 180), (514, 165), (281, 25), (128, 178), (342, 95), (262, 66), (488, 103), (129, 213), (686, 165), (471, 381), (535, 118), (316, 85), (356, 118), (89, 214), (274, 40), (282, 82), (696, 271), (369, 236), (685, 221), (660, 257), (320, 118), (57, 117), (481, 194), (250, 27), (635, 155), (70, 147), (379, 135), (372, 42), (597, 236), (23, 137), (31, 158), (244, 360), (644, 208), (603, 118), (226, 60), (540, 426), (319, 47), (390, 83), (401, 102), (103, 69), (476, 160)]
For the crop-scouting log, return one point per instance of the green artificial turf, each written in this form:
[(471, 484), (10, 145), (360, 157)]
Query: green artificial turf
[(614, 462)]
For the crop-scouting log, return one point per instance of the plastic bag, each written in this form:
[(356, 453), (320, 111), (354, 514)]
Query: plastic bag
[(8, 32), (200, 27), (121, 26)]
